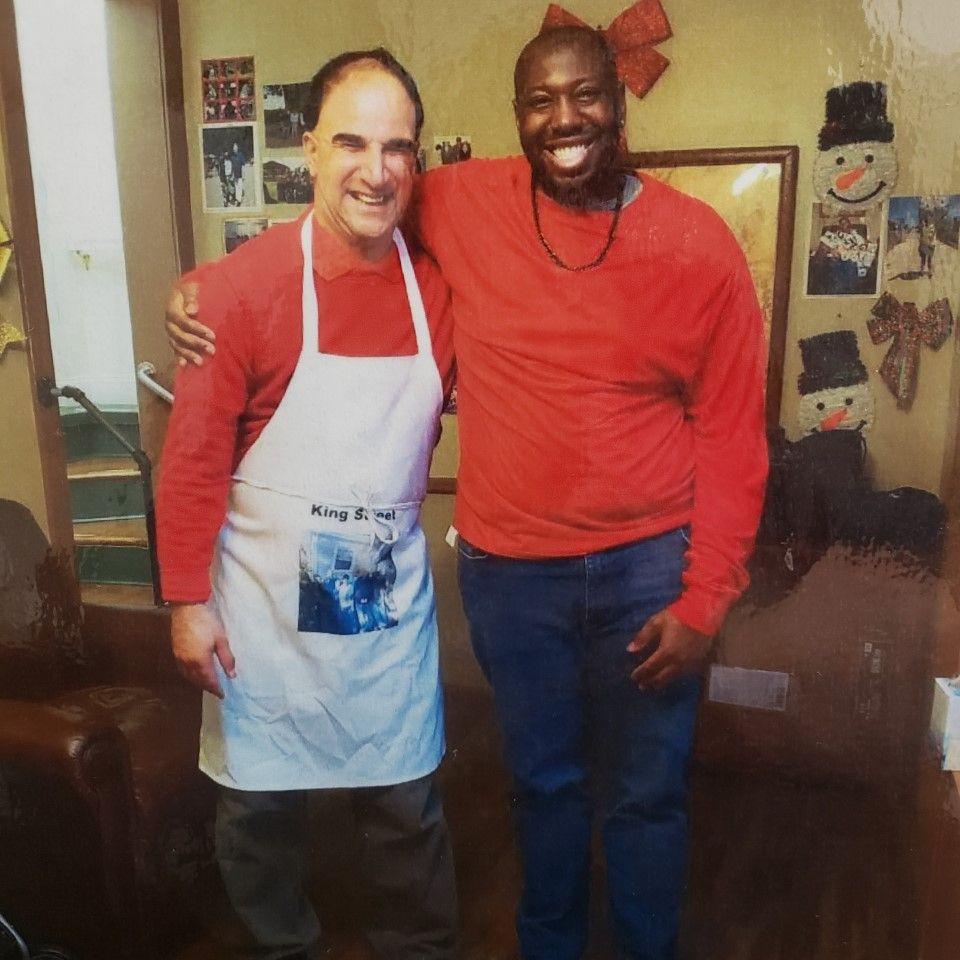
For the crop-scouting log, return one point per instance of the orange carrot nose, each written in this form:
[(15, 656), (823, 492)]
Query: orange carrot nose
[(846, 180), (833, 420)]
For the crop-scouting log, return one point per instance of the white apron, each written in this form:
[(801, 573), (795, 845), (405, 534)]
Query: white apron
[(321, 577)]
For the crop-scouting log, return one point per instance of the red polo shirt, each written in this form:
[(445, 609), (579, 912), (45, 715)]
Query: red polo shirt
[(252, 301)]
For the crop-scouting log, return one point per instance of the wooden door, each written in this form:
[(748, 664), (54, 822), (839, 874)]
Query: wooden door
[(146, 81)]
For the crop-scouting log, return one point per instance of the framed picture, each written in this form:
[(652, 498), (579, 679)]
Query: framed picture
[(227, 88), (231, 182), (844, 252), (283, 125), (452, 148), (287, 180), (923, 240), (238, 232), (754, 189)]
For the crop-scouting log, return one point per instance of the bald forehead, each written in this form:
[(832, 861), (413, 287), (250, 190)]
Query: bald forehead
[(362, 87), (365, 71), (575, 40)]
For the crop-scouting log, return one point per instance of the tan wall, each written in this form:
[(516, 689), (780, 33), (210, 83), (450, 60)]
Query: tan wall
[(742, 73), (21, 478)]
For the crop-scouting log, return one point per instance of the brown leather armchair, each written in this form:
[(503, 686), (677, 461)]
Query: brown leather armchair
[(105, 821)]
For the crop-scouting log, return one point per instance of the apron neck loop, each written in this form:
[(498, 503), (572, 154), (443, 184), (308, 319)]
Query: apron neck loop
[(310, 310)]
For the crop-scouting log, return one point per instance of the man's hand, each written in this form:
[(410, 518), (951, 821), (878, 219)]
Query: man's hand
[(189, 338), (197, 635), (679, 649)]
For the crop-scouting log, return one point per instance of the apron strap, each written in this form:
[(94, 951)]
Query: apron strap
[(309, 309), (420, 325)]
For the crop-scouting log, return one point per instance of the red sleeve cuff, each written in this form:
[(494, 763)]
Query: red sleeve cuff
[(186, 586), (700, 613)]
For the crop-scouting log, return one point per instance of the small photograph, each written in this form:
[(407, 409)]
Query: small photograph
[(346, 586), (452, 149), (844, 255), (286, 180), (923, 237), (238, 232), (227, 87), (283, 124), (229, 168)]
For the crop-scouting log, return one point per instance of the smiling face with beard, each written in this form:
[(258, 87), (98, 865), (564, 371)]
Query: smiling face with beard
[(569, 107)]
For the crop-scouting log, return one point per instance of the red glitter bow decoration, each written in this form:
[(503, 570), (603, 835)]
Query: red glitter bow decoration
[(909, 327), (632, 37)]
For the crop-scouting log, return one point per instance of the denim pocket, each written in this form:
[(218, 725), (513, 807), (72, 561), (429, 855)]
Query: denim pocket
[(468, 551)]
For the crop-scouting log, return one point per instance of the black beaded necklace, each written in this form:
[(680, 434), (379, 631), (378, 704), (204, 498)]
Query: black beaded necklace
[(553, 255)]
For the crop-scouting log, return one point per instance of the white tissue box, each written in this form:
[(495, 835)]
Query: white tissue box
[(945, 722)]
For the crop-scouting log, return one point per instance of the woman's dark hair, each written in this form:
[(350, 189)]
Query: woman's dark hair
[(332, 70)]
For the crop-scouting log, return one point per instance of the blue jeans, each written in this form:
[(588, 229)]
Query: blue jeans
[(551, 637)]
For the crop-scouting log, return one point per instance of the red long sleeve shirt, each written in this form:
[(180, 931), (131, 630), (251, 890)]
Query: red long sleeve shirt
[(595, 408), (600, 407), (252, 301)]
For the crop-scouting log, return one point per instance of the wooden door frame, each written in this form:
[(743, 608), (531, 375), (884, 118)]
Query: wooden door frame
[(23, 227), (146, 80), (168, 13)]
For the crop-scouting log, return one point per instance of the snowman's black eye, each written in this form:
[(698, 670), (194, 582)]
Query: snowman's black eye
[(849, 401), (840, 161), (820, 406), (869, 158)]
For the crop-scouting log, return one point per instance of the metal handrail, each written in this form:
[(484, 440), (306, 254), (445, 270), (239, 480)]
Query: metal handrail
[(145, 374), (48, 391)]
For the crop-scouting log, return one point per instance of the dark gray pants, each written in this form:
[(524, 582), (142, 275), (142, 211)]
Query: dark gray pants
[(263, 848)]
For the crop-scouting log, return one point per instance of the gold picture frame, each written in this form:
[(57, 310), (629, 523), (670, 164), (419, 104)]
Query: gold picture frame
[(754, 189)]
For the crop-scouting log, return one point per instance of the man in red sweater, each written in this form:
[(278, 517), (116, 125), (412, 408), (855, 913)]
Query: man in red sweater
[(611, 372)]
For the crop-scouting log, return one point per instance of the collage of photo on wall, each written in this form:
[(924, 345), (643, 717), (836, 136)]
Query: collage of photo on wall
[(230, 162), (236, 178), (904, 250), (238, 232), (923, 238), (452, 148), (844, 256), (283, 125), (286, 179), (228, 90)]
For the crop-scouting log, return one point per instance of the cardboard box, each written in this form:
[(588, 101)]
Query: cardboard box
[(945, 722), (830, 683)]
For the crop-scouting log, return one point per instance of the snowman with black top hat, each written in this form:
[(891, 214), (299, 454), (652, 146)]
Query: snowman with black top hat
[(834, 389), (824, 493), (856, 167)]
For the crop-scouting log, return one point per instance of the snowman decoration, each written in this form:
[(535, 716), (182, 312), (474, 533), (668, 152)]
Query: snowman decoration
[(834, 393), (856, 166)]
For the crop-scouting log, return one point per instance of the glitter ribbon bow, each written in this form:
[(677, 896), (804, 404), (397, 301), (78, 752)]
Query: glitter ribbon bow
[(632, 37), (909, 328)]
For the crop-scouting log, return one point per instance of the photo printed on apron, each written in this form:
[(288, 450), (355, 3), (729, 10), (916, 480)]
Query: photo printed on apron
[(321, 576)]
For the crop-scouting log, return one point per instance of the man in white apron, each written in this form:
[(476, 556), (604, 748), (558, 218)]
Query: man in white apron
[(317, 645)]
